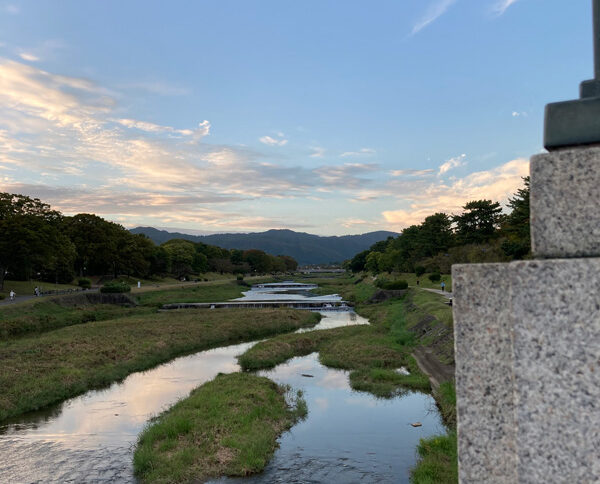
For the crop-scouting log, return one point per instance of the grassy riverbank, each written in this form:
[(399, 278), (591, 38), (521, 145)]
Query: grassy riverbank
[(39, 370), (399, 327), (49, 313), (228, 426)]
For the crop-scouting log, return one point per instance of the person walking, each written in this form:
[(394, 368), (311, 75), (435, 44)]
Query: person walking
[(443, 286), (12, 295)]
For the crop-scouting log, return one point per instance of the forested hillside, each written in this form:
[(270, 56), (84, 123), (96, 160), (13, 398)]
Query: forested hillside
[(305, 248)]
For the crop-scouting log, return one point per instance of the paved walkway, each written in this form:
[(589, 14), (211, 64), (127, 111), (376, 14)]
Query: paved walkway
[(446, 294), (19, 299)]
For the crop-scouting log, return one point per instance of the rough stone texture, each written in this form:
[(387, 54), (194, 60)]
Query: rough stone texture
[(565, 196), (556, 314), (484, 374), (528, 371)]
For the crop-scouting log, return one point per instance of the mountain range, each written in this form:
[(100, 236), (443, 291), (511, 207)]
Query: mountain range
[(305, 248)]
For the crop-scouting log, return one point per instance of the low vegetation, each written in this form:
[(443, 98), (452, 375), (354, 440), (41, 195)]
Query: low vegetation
[(115, 287), (39, 370), (438, 460), (372, 353), (203, 292), (420, 319), (228, 426), (48, 313)]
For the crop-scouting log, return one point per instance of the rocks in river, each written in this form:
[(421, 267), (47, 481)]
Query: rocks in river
[(417, 424)]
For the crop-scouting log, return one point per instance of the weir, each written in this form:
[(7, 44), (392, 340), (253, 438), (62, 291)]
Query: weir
[(317, 305)]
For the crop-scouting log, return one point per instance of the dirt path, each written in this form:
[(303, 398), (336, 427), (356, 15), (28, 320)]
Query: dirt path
[(431, 366)]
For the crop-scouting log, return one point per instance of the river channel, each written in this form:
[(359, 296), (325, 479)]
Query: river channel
[(347, 437)]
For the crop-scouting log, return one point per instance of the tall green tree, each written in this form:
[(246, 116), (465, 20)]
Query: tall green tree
[(31, 240), (479, 222), (516, 226)]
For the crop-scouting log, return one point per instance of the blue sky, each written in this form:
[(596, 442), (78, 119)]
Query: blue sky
[(330, 117)]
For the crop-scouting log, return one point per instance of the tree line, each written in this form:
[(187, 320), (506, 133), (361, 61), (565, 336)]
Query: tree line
[(481, 233), (37, 242)]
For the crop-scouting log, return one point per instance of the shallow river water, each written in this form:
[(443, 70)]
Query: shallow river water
[(347, 436)]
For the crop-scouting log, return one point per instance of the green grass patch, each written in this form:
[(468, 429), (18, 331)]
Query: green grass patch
[(372, 353), (215, 291), (45, 314), (424, 281), (445, 396), (438, 461), (228, 426), (39, 370)]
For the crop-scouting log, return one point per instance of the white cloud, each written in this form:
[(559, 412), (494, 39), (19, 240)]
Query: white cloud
[(435, 11), (349, 176), (451, 164), (361, 152), (161, 88), (12, 9), (267, 140), (198, 133), (497, 184), (318, 152), (425, 172), (28, 57), (518, 114), (502, 6)]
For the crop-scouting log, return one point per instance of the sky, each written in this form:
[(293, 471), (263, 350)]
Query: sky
[(321, 116)]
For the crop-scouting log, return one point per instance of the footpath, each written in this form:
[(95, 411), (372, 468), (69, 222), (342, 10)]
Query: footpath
[(436, 291)]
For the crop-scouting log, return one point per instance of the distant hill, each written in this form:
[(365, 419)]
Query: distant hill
[(305, 248)]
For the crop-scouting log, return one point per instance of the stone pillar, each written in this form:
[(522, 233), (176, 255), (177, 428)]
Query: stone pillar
[(528, 339)]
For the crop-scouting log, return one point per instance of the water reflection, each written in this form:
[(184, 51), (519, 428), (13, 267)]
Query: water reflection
[(91, 437), (348, 436)]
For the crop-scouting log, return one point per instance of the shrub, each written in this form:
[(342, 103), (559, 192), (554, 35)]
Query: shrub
[(84, 283), (435, 277), (115, 287), (2, 296), (399, 284), (419, 271), (240, 277)]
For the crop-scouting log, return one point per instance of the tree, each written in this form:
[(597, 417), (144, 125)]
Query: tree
[(259, 261), (516, 227), (358, 262), (435, 235), (181, 254), (479, 222), (372, 262), (31, 240)]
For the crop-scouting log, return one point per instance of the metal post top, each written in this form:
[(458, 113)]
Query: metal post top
[(576, 123)]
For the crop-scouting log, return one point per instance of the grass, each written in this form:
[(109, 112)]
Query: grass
[(438, 460), (424, 281), (372, 353), (48, 313), (203, 292), (228, 426), (40, 370), (437, 455), (45, 314)]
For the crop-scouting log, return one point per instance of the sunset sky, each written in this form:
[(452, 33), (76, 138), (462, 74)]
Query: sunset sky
[(328, 117)]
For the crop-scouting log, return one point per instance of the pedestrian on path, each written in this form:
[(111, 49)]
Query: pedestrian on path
[(443, 286), (12, 295)]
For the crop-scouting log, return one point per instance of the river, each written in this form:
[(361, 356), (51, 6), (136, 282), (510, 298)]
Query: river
[(347, 437)]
